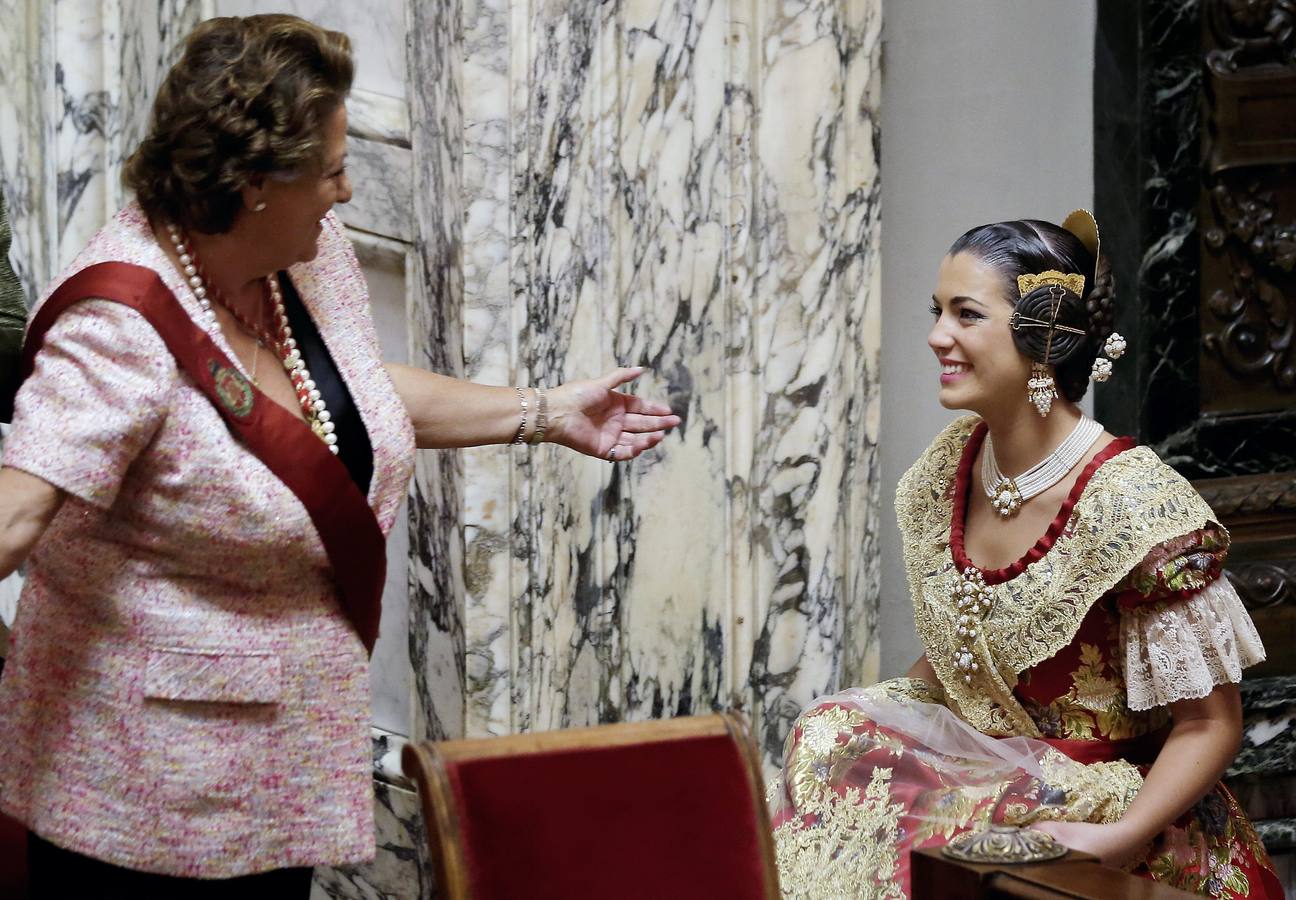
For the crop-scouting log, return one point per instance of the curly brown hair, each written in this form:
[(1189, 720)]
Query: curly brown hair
[(247, 100)]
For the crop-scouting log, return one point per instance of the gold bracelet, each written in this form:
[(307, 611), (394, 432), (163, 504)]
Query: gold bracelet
[(520, 437), (542, 416)]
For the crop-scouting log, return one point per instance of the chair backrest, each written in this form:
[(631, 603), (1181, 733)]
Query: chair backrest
[(670, 808)]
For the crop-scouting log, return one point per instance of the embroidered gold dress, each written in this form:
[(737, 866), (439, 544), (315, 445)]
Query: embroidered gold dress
[(1055, 677)]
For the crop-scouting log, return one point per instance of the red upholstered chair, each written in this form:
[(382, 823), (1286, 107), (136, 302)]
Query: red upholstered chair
[(662, 809)]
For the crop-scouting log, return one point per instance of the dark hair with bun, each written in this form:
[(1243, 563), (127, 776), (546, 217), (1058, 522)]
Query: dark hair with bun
[(248, 99), (1032, 246)]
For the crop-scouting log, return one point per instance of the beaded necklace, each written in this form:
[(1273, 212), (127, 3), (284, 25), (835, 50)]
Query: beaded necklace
[(281, 337), (1008, 494)]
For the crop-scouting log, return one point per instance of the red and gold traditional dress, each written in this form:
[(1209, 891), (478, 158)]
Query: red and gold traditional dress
[(1055, 678)]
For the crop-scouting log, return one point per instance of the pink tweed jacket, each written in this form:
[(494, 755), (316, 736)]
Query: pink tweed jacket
[(184, 694)]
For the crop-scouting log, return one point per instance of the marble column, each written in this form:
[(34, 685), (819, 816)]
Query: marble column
[(76, 83), (689, 186)]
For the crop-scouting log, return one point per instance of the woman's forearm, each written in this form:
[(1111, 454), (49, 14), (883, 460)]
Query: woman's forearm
[(1201, 745), (448, 412), (27, 505)]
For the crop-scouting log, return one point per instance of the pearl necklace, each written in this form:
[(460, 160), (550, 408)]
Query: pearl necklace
[(312, 404), (1008, 494)]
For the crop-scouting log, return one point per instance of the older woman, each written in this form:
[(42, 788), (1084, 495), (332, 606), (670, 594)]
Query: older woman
[(206, 456)]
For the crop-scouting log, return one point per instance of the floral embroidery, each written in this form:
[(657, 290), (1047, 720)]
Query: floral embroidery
[(1094, 707), (1186, 563), (843, 845), (1212, 851)]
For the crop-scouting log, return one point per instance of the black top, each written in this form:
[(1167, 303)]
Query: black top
[(13, 316), (354, 448)]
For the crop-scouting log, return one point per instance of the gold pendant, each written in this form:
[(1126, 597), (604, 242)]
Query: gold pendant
[(1007, 499)]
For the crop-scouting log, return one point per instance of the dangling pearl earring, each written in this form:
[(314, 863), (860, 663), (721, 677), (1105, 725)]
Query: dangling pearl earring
[(260, 207), (1041, 389)]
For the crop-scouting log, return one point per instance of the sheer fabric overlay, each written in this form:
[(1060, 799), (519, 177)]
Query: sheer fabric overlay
[(870, 774)]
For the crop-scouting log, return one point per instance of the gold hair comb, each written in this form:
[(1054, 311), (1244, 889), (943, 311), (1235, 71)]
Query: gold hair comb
[(1073, 283)]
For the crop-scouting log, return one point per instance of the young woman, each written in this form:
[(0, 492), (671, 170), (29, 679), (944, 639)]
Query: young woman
[(1082, 646)]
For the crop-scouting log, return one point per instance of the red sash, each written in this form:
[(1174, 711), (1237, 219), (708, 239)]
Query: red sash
[(282, 441)]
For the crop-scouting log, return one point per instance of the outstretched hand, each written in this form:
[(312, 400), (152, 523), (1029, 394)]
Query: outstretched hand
[(594, 418)]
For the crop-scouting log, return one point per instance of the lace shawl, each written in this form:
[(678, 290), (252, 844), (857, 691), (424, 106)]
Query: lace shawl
[(1132, 504)]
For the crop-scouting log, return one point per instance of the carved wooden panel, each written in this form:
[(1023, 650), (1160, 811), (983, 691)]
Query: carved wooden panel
[(1195, 157), (1248, 209)]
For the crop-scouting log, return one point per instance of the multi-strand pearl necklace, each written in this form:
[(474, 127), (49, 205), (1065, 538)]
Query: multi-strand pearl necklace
[(1008, 494), (312, 404)]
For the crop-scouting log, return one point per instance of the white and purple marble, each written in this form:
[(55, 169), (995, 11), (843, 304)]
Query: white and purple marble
[(692, 187)]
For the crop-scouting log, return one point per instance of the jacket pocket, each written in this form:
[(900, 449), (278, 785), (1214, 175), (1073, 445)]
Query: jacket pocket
[(212, 719), (214, 677)]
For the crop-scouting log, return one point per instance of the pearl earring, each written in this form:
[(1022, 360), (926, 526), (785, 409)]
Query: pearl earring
[(260, 207)]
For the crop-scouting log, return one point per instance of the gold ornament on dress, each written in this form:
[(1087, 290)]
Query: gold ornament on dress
[(974, 600), (1132, 503), (843, 845)]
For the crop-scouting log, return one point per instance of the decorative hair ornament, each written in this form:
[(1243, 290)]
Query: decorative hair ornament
[(1114, 346), (1039, 308), (1073, 283), (1082, 224)]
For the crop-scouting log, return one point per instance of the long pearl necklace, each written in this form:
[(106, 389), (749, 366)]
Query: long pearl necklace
[(1008, 494), (312, 404)]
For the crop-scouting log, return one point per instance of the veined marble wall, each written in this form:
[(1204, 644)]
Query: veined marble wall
[(690, 186), (552, 189)]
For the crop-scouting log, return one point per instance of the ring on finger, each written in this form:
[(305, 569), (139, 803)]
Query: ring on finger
[(612, 454)]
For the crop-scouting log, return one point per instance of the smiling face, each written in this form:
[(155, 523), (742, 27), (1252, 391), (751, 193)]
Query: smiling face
[(981, 368), (287, 231)]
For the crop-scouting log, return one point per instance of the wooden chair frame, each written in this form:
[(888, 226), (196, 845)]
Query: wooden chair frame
[(427, 761)]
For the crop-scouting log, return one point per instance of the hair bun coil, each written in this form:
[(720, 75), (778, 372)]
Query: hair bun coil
[(1031, 318)]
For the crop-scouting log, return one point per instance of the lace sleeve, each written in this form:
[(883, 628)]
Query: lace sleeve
[(1181, 650)]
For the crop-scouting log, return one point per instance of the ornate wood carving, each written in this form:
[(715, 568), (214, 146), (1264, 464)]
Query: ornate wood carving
[(1248, 228), (1252, 322), (1250, 495), (1265, 584), (1251, 32)]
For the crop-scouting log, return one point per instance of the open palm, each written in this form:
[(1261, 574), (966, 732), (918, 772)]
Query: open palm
[(594, 418)]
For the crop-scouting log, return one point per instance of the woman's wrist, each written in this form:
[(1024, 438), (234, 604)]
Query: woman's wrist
[(1136, 830)]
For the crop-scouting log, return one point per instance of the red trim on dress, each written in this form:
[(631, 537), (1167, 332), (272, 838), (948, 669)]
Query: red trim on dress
[(963, 485)]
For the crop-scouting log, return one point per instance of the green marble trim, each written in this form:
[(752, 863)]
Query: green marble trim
[(1279, 835), (1277, 692)]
